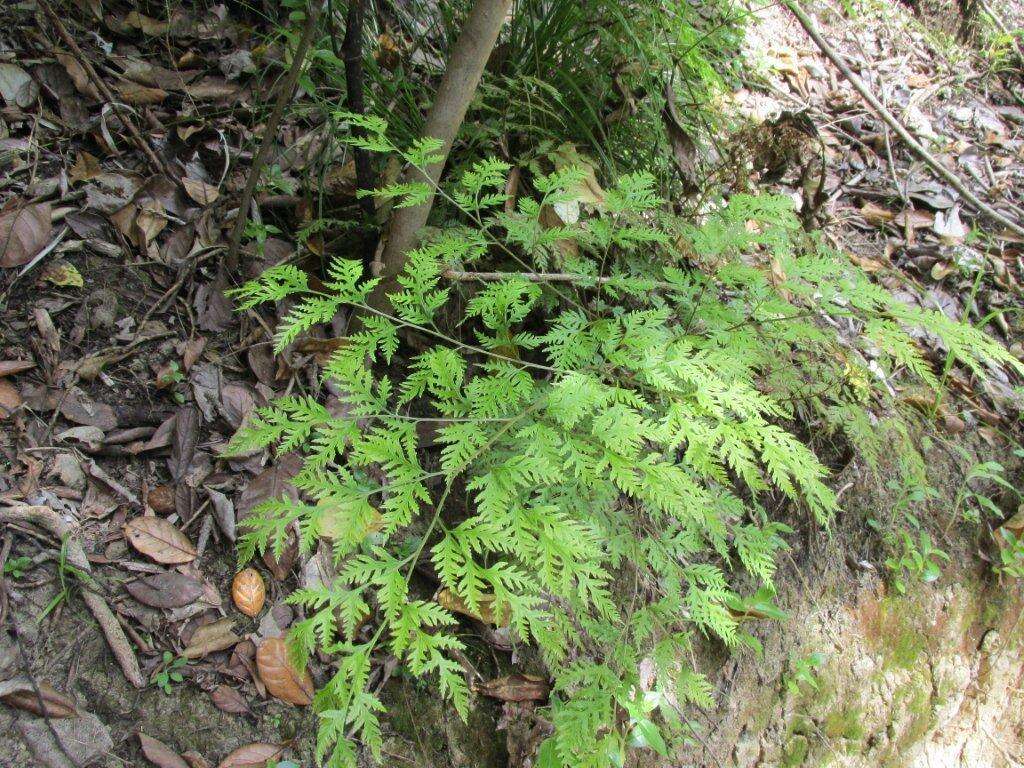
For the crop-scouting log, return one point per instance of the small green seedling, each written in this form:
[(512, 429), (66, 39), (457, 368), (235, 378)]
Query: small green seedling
[(168, 672), (17, 566), (805, 672)]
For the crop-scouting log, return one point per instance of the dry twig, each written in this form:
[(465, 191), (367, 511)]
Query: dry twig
[(861, 87), (44, 517)]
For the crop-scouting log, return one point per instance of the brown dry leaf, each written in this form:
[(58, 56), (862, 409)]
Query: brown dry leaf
[(134, 93), (146, 25), (166, 590), (24, 231), (251, 756), (86, 167), (449, 600), (10, 399), (876, 215), (14, 367), (227, 699), (18, 693), (62, 274), (159, 540), (78, 75), (249, 592), (161, 499), (209, 638), (282, 680), (159, 753), (195, 760), (515, 688), (200, 191)]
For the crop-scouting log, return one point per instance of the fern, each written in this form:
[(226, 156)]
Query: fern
[(586, 435)]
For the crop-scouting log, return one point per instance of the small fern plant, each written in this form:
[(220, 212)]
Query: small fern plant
[(608, 440)]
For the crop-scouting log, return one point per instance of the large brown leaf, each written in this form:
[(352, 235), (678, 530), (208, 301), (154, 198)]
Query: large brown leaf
[(166, 590), (24, 231), (515, 688), (159, 540), (282, 680), (251, 756), (160, 754)]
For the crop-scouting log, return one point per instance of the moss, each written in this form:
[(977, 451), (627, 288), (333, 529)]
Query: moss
[(795, 752), (844, 723)]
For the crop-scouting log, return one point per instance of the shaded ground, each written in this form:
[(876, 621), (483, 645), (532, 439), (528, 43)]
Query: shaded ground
[(136, 371)]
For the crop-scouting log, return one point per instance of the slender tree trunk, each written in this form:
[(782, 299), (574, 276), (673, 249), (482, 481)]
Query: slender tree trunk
[(461, 78)]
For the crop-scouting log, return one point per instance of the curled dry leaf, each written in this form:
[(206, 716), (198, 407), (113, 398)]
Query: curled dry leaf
[(200, 191), (282, 680), (24, 231), (159, 540), (251, 756), (18, 693), (227, 699), (166, 590), (209, 638), (449, 600), (515, 688), (160, 754), (248, 591)]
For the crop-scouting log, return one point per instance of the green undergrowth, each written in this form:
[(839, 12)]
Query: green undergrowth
[(616, 450)]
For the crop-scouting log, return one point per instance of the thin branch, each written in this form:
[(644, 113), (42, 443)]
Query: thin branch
[(284, 95), (158, 165), (859, 85), (352, 54)]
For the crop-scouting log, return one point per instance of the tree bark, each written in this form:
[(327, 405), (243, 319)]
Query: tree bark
[(461, 78)]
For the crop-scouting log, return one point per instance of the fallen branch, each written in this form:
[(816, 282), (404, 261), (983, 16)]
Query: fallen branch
[(158, 165), (916, 147), (44, 517), (1001, 26), (352, 54), (270, 133), (465, 68)]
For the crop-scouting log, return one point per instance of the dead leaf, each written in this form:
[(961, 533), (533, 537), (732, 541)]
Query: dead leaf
[(515, 688), (63, 274), (24, 231), (17, 87), (254, 755), (78, 408), (949, 228), (159, 540), (200, 191), (159, 753), (186, 438), (20, 694), (166, 590), (14, 367), (449, 600), (876, 215), (248, 591), (210, 638), (223, 512), (140, 95), (146, 25), (10, 399), (227, 699), (282, 680), (161, 499), (86, 168)]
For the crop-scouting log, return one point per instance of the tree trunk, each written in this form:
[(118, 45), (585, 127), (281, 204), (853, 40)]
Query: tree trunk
[(465, 67)]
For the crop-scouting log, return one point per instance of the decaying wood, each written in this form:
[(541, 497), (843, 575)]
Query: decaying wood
[(465, 67), (915, 146), (46, 518)]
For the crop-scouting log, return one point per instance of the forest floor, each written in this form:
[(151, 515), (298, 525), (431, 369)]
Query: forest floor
[(124, 369)]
